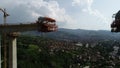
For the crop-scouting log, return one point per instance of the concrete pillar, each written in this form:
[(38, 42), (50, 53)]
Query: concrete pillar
[(13, 50), (12, 53)]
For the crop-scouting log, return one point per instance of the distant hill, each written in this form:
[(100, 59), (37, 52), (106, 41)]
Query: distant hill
[(78, 35)]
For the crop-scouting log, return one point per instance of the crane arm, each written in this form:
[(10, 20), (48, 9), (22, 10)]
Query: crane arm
[(4, 11)]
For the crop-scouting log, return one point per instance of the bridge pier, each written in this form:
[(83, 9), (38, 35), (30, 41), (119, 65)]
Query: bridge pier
[(9, 49), (12, 50)]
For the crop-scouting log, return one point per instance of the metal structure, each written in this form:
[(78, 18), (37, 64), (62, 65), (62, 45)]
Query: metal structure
[(46, 24), (115, 26), (5, 47), (10, 33), (5, 14)]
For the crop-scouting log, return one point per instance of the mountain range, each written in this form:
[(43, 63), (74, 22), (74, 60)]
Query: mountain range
[(78, 35)]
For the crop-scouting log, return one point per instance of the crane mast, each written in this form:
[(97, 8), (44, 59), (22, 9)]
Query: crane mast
[(4, 37)]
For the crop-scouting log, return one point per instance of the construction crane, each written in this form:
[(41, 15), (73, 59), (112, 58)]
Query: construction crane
[(5, 14), (4, 38), (10, 32), (115, 26)]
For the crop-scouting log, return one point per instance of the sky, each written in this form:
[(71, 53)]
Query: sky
[(71, 14)]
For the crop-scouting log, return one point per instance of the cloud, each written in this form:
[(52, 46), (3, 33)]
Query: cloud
[(30, 10), (76, 2), (86, 6), (23, 11)]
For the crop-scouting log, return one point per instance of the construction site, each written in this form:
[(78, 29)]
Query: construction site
[(87, 37), (9, 34)]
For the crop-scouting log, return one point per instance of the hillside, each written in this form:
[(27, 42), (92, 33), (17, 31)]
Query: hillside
[(78, 35), (40, 52)]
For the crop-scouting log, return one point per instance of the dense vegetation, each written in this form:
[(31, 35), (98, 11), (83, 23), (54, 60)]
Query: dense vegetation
[(39, 52)]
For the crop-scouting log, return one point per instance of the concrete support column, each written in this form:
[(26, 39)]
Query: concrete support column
[(12, 50), (12, 53)]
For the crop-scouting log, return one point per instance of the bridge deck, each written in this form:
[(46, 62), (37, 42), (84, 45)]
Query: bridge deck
[(18, 27)]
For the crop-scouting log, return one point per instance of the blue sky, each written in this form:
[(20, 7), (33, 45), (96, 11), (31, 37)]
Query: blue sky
[(72, 14)]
